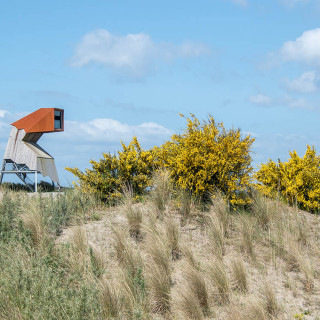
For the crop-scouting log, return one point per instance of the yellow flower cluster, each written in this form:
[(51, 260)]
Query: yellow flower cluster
[(297, 180), (207, 157), (132, 167), (204, 158)]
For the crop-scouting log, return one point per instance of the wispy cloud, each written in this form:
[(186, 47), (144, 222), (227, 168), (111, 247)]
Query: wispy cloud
[(3, 113), (305, 48), (104, 130), (305, 83), (133, 55), (260, 99), (288, 101), (296, 103)]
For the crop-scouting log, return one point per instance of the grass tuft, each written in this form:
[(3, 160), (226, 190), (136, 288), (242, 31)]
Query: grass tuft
[(270, 300), (239, 275), (162, 190), (221, 209), (197, 284), (188, 304), (111, 300), (159, 284), (219, 278), (216, 235), (159, 251), (134, 218), (247, 234), (34, 222), (173, 237), (263, 209), (128, 258)]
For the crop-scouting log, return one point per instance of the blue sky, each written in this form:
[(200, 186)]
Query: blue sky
[(124, 68)]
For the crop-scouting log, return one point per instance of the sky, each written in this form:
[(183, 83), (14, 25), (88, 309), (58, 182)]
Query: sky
[(128, 68)]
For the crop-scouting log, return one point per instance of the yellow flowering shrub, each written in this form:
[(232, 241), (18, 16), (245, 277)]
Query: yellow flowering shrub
[(132, 166), (297, 180), (206, 157)]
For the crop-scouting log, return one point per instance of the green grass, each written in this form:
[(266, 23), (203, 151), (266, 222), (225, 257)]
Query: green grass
[(36, 281)]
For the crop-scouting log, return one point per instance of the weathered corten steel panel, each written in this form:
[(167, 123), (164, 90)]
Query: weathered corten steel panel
[(41, 120)]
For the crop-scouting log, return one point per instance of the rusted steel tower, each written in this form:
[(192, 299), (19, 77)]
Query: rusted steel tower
[(23, 155)]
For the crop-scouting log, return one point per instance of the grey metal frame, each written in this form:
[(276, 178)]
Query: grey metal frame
[(22, 171)]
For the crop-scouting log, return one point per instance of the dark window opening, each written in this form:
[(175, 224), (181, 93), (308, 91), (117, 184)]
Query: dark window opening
[(57, 119)]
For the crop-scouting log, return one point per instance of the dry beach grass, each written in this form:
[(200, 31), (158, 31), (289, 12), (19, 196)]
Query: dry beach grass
[(148, 261)]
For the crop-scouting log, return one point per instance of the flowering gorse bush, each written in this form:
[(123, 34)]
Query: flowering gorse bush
[(205, 157), (297, 180), (132, 167)]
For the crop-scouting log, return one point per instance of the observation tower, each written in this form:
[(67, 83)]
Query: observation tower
[(23, 156)]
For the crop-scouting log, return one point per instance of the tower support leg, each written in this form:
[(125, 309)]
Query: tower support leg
[(2, 170), (36, 181)]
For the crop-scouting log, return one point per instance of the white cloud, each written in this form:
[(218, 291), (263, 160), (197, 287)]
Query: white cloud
[(110, 130), (305, 48), (133, 54), (306, 83), (286, 100), (297, 103), (260, 99), (3, 113)]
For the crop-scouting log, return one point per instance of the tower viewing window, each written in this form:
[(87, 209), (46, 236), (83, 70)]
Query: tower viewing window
[(57, 119)]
